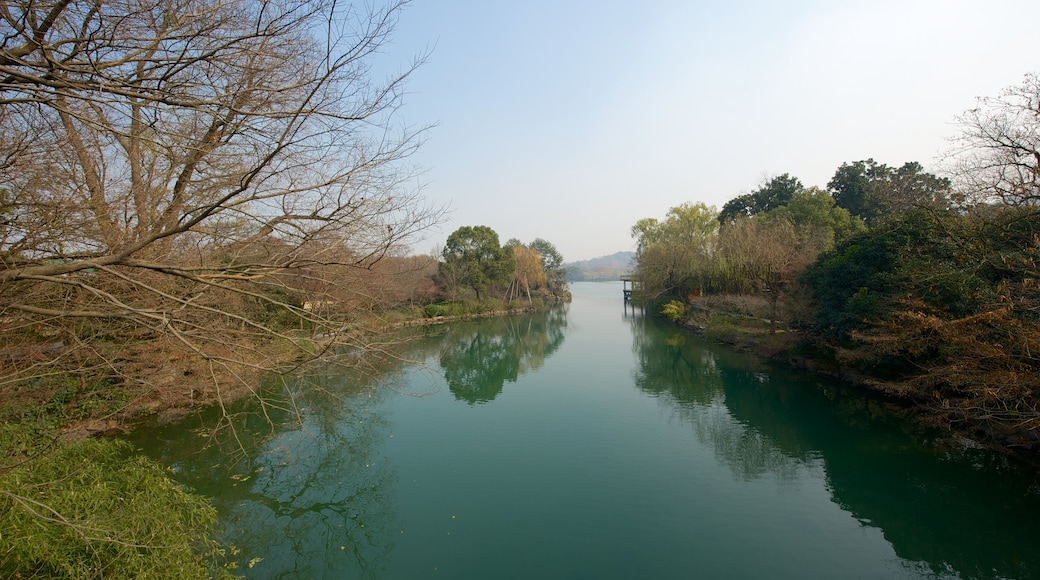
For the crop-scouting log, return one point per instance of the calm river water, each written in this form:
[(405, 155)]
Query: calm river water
[(592, 442)]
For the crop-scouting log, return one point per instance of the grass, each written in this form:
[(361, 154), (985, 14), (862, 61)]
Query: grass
[(90, 508), (94, 508)]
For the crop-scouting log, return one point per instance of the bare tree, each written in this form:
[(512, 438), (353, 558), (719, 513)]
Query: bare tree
[(997, 155), (185, 176), (765, 253)]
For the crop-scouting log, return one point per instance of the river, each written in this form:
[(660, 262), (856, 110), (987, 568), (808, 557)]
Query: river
[(594, 442)]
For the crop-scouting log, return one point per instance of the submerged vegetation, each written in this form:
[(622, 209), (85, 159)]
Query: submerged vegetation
[(923, 287)]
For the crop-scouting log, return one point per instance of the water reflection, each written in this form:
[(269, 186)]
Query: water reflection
[(958, 511), (479, 360), (693, 379), (301, 483), (325, 480)]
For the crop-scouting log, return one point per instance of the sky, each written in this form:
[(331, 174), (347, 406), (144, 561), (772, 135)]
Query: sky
[(570, 120)]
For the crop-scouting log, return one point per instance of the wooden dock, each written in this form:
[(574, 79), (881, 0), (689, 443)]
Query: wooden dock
[(629, 286)]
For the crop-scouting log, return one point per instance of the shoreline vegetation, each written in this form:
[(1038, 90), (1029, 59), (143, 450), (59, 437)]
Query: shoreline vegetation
[(924, 287), (742, 329), (70, 492)]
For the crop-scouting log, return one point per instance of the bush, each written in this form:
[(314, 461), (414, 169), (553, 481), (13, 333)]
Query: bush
[(94, 509), (674, 310), (435, 310)]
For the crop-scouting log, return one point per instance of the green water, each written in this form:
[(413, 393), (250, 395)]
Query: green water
[(592, 442)]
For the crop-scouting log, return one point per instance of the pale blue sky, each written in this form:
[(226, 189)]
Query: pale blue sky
[(571, 120)]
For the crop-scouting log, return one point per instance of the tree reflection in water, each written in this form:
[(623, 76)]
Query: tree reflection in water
[(882, 469), (691, 380), (479, 360), (301, 483)]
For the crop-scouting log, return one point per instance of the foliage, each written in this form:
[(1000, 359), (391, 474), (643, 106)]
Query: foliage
[(818, 222), (849, 284), (473, 257), (944, 306), (527, 271), (764, 241), (674, 310), (435, 310), (552, 264), (775, 193), (93, 509), (876, 193), (762, 255), (673, 255), (933, 293)]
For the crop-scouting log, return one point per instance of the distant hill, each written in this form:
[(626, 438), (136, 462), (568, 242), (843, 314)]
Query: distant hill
[(610, 267)]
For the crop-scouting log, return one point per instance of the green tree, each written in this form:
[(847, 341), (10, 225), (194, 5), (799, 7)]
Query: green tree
[(818, 222), (673, 255), (552, 264), (472, 255), (876, 193), (776, 192)]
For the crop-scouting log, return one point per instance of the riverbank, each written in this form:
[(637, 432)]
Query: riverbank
[(740, 325), (166, 381), (45, 422)]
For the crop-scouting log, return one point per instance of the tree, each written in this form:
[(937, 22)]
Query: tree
[(942, 308), (552, 264), (179, 171), (527, 270), (770, 195), (817, 221), (473, 256), (997, 154), (771, 234), (673, 254), (179, 180), (766, 253), (877, 193)]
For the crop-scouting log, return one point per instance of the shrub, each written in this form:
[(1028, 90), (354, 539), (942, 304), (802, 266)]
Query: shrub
[(94, 509), (674, 310), (435, 310)]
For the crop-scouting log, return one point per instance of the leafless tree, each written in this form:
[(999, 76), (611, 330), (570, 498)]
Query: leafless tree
[(765, 253), (996, 157), (191, 177)]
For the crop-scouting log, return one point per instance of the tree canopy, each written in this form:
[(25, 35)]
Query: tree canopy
[(473, 257), (775, 193), (672, 253), (552, 263), (877, 193)]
